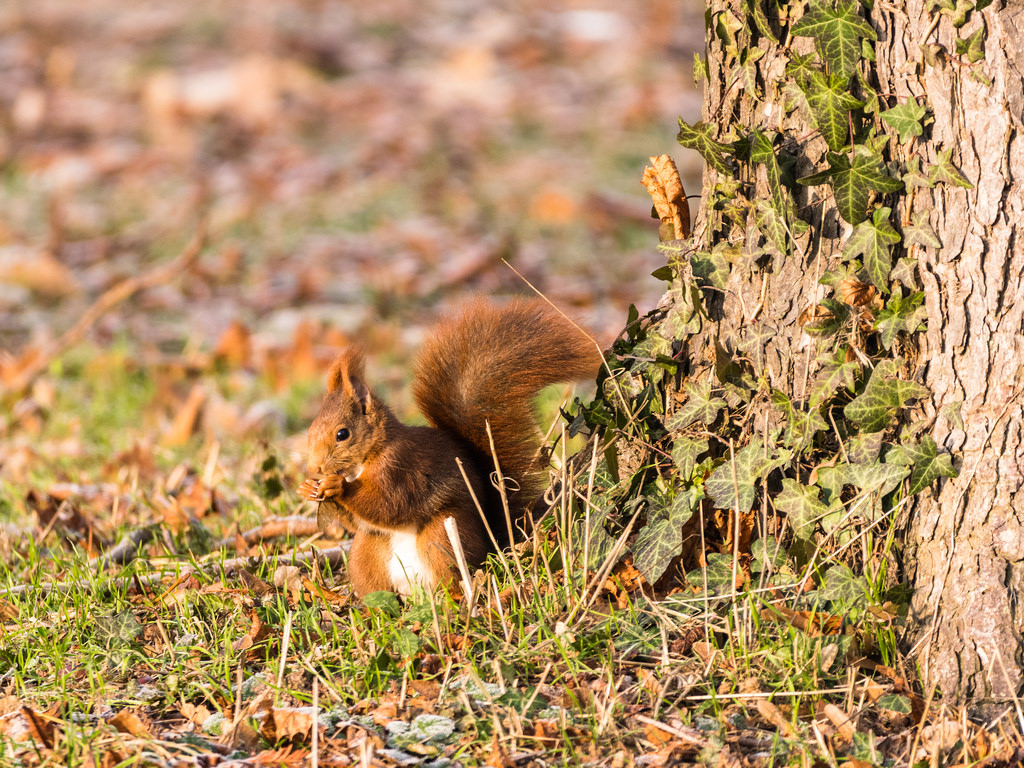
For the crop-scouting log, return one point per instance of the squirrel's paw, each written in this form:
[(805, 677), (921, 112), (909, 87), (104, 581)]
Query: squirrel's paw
[(318, 489)]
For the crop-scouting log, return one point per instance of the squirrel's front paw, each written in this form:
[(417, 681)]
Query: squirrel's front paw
[(318, 489)]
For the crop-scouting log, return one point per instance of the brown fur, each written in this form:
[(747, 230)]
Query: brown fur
[(483, 366)]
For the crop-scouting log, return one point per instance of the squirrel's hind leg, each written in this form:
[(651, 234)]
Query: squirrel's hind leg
[(368, 563)]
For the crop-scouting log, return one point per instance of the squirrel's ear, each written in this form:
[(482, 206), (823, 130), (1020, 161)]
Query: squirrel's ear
[(347, 372)]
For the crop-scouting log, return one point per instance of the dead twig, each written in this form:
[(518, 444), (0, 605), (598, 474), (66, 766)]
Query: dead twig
[(109, 299), (294, 525)]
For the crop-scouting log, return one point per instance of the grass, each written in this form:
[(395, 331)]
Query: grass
[(550, 663)]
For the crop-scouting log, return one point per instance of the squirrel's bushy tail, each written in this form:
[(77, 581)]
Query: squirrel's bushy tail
[(485, 365)]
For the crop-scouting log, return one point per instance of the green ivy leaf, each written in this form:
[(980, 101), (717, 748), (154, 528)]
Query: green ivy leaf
[(800, 67), (751, 466), (745, 70), (873, 239), (883, 395), (853, 181), (685, 453), (770, 224), (755, 339), (383, 601), (835, 372), (956, 10), (801, 426), (904, 272), (837, 30), (699, 137), (661, 539), (865, 448), (943, 170), (406, 643), (832, 323), (802, 507), (929, 464), (712, 267), (769, 555), (915, 177), (920, 232), (762, 150), (755, 12), (831, 102), (699, 406), (906, 119), (900, 314), (718, 574), (700, 68), (842, 586), (894, 702)]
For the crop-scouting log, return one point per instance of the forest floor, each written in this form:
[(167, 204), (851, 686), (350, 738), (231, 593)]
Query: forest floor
[(200, 202)]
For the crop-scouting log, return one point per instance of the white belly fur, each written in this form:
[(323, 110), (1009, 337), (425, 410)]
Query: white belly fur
[(405, 567)]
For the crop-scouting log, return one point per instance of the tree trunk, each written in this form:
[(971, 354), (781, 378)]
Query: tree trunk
[(963, 543)]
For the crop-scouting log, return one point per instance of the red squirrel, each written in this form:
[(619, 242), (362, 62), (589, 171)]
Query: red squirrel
[(393, 485)]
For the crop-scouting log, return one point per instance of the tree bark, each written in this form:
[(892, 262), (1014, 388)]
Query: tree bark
[(963, 539)]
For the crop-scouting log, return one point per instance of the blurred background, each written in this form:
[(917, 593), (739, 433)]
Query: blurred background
[(364, 166)]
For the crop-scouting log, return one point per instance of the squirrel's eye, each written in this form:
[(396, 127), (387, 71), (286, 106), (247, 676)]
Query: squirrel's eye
[(341, 434)]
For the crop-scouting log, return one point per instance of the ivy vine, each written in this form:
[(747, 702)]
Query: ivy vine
[(706, 434)]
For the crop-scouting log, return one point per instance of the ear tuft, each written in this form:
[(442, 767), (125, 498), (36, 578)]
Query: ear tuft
[(347, 372)]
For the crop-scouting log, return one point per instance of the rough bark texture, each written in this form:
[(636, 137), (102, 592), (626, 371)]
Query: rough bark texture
[(964, 538)]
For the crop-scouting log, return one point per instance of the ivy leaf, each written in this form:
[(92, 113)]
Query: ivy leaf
[(904, 272), (900, 314), (801, 426), (769, 555), (956, 10), (802, 506), (873, 239), (837, 31), (842, 586), (865, 447), (770, 224), (831, 102), (755, 338), (751, 466), (699, 406), (762, 151), (711, 267), (929, 464), (801, 67), (830, 317), (906, 119), (883, 395), (760, 18), (914, 177), (698, 137), (894, 702), (943, 170), (876, 476), (718, 574), (685, 452), (852, 182), (700, 68), (745, 70), (661, 539), (920, 232), (835, 372)]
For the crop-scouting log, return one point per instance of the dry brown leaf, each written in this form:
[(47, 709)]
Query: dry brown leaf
[(186, 419), (663, 184), (37, 271), (841, 720), (858, 294), (288, 723), (384, 713), (234, 346), (128, 722), (771, 714)]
